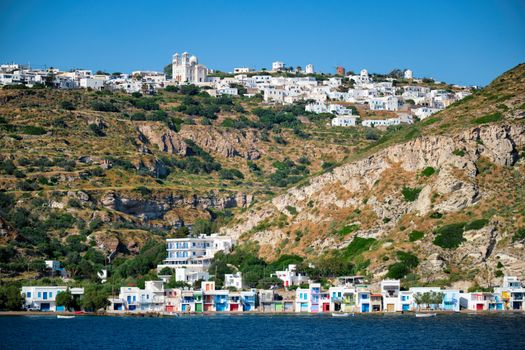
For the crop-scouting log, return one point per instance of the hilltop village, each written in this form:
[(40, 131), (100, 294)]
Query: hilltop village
[(391, 99)]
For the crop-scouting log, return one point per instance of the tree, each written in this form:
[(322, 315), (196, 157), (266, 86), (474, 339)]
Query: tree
[(173, 283), (66, 300), (165, 271), (428, 298), (168, 71), (10, 298), (202, 226), (94, 299)]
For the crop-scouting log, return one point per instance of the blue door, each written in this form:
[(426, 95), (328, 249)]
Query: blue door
[(45, 307), (45, 296), (406, 307), (365, 308)]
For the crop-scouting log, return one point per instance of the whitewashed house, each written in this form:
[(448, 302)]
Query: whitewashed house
[(43, 298), (386, 103), (291, 277), (194, 254), (390, 290), (233, 280), (344, 121)]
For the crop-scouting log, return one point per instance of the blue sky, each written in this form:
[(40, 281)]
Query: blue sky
[(465, 42)]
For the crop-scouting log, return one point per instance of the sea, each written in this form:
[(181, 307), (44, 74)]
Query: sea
[(381, 331)]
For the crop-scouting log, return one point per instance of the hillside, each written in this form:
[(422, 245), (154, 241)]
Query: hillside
[(100, 173), (99, 178), (441, 202)]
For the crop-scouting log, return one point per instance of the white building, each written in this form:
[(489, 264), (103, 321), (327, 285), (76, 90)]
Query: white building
[(95, 82), (189, 275), (228, 91), (408, 74), (424, 112), (233, 280), (242, 70), (308, 299), (309, 69), (386, 103), (344, 121), (390, 290), (187, 69), (381, 122), (512, 293), (277, 66), (43, 298), (291, 277), (149, 299), (195, 254)]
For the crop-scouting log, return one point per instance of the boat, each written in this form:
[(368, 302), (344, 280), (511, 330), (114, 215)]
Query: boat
[(426, 314), (65, 316), (341, 314)]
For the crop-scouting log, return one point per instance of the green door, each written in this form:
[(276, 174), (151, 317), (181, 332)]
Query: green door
[(198, 307)]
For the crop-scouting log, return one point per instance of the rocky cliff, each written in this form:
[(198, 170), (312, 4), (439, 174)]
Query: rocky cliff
[(367, 195)]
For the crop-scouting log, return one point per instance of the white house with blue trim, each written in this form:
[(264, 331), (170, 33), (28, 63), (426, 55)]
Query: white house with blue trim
[(43, 298)]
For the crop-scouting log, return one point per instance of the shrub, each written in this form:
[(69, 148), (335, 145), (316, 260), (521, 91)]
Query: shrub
[(358, 246), (415, 235), (230, 174), (291, 210), (449, 236), (397, 271), (371, 135), (103, 106), (489, 118), (436, 215), (404, 266), (143, 190), (519, 235), (8, 167), (33, 130), (458, 152), (476, 224), (499, 273), (327, 165), (146, 103), (428, 171), (74, 203), (348, 229), (67, 105), (410, 194), (97, 130), (171, 88)]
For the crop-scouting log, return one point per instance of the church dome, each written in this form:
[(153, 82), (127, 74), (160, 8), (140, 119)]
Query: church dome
[(193, 59)]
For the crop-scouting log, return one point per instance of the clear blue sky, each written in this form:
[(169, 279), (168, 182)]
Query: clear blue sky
[(466, 42)]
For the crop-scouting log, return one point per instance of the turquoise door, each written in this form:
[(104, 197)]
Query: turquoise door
[(406, 307), (365, 308)]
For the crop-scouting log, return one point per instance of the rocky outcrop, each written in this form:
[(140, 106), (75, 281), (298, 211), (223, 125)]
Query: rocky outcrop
[(225, 142), (375, 182), (156, 205)]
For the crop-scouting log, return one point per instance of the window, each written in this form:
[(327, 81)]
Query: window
[(39, 294), (50, 294), (28, 294)]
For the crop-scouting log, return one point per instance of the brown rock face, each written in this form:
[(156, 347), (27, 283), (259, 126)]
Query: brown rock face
[(227, 143)]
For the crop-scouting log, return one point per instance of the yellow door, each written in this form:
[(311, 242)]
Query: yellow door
[(390, 307)]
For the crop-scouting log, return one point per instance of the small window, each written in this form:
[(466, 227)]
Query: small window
[(28, 294)]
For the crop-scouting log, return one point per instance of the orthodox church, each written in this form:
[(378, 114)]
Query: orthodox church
[(187, 69)]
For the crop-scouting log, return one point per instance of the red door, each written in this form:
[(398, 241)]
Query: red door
[(326, 307), (479, 307)]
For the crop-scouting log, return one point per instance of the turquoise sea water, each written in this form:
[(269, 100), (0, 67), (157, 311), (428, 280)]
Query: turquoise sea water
[(498, 331)]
